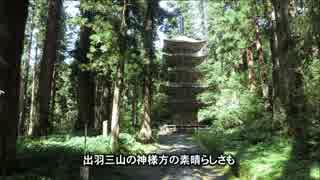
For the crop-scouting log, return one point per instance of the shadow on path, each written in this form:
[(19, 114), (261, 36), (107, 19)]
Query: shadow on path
[(176, 144)]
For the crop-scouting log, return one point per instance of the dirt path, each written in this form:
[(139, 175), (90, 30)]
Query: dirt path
[(173, 144)]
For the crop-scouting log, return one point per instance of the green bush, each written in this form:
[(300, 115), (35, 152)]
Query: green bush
[(211, 142), (76, 144), (232, 105)]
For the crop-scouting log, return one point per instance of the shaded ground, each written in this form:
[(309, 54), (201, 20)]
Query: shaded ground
[(171, 144)]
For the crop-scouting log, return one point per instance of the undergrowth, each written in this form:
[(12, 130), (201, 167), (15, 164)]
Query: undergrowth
[(267, 159), (76, 144)]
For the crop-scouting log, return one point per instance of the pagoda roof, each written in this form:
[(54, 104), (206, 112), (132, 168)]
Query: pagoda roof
[(184, 39), (183, 43)]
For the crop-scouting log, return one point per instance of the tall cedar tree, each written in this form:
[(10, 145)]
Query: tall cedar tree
[(288, 84), (33, 117), (146, 131), (13, 15), (40, 21), (85, 80), (263, 68), (47, 65), (25, 75), (103, 104), (118, 85)]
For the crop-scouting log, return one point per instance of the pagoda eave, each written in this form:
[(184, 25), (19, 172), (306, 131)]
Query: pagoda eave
[(197, 55), (185, 85), (177, 45)]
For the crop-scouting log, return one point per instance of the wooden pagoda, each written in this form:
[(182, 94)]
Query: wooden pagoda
[(182, 55)]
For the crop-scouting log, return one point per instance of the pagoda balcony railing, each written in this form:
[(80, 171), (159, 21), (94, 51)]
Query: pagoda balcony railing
[(185, 61), (186, 84), (182, 106), (184, 53), (187, 54)]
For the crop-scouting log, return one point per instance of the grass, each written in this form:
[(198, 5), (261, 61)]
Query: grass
[(264, 160), (76, 144), (62, 154)]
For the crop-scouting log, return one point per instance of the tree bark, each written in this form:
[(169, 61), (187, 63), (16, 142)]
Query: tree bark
[(34, 106), (13, 15), (118, 85), (134, 106), (24, 80), (86, 85), (102, 111), (263, 69), (146, 132), (110, 101), (98, 105), (116, 107), (280, 49), (21, 101), (290, 94), (47, 66), (273, 41), (53, 94), (251, 75)]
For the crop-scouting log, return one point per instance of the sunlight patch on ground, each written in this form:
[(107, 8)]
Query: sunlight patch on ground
[(315, 171), (150, 148)]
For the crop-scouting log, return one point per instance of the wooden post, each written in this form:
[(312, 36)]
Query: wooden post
[(105, 128), (84, 173), (84, 170), (85, 137)]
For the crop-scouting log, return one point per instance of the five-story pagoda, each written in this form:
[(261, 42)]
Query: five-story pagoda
[(182, 55)]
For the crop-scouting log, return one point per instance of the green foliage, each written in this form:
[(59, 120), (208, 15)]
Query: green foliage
[(76, 144), (211, 142), (159, 108), (230, 103), (240, 124), (233, 105), (230, 30), (266, 160), (126, 119), (65, 110), (312, 79)]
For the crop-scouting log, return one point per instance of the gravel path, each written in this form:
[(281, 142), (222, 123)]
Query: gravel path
[(171, 144)]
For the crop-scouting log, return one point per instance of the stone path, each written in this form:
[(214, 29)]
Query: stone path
[(172, 144)]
